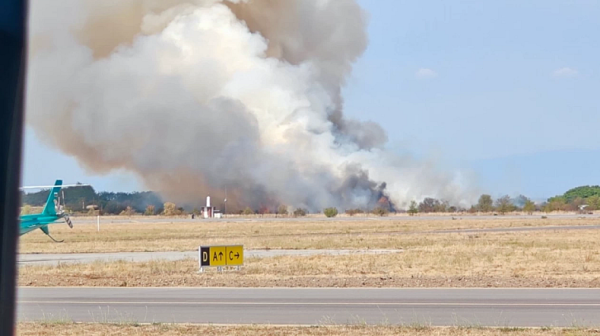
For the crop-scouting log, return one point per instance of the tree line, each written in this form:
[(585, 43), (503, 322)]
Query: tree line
[(584, 198), (485, 203), (84, 199), (81, 199)]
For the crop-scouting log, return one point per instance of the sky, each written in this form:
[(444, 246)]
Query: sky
[(506, 91)]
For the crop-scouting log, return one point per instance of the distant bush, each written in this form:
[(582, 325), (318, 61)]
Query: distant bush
[(128, 212), (170, 209), (282, 210), (413, 210), (330, 212), (300, 212), (248, 211), (150, 210), (529, 207), (352, 212), (485, 203), (504, 205), (380, 211)]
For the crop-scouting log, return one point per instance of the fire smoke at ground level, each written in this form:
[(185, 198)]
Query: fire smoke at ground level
[(198, 97)]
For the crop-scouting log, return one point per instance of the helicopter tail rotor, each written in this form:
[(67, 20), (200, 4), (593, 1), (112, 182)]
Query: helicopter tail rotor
[(68, 220), (60, 208)]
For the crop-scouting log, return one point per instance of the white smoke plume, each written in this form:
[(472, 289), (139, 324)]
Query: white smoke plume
[(202, 96)]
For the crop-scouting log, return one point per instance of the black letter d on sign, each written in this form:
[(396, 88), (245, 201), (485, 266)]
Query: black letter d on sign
[(205, 255)]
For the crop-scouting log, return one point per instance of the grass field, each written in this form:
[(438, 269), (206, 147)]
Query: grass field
[(71, 329), (331, 234), (536, 259)]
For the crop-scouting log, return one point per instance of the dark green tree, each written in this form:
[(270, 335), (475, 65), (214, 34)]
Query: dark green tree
[(300, 212), (529, 206), (486, 203), (582, 192), (429, 205), (330, 212), (593, 202), (413, 210), (504, 205)]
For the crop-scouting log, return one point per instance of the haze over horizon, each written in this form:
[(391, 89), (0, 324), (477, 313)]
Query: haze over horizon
[(505, 91)]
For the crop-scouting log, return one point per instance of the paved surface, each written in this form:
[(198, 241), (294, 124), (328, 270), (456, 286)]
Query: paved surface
[(485, 307), (54, 259)]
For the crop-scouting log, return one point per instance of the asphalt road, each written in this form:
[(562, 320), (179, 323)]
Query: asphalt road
[(450, 307), (54, 259)]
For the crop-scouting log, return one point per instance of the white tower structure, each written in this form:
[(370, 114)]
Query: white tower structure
[(207, 209)]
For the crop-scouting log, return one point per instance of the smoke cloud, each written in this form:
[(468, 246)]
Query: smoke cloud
[(202, 96)]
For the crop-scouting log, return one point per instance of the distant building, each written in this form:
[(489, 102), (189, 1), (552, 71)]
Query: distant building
[(208, 211)]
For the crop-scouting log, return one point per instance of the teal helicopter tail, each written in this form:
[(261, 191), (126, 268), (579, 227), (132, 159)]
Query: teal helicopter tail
[(52, 203), (50, 207), (53, 210)]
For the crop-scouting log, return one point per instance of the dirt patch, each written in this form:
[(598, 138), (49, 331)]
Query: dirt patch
[(71, 329), (320, 282), (310, 281)]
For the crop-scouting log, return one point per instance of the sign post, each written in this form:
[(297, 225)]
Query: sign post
[(220, 256)]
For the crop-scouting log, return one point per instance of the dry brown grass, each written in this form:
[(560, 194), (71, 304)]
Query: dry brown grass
[(540, 259), (71, 329), (181, 236)]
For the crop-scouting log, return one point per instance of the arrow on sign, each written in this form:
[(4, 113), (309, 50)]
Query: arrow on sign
[(220, 255), (237, 255)]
